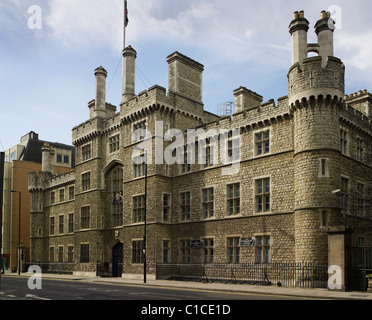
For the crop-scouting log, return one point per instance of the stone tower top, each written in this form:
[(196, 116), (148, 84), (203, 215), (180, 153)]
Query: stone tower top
[(324, 29), (185, 76)]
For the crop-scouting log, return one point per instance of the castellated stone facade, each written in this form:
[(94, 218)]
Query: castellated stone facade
[(297, 167)]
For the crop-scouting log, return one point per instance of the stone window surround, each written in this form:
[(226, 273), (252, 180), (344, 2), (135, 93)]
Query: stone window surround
[(254, 195), (213, 187), (114, 141), (133, 129), (345, 149), (227, 215), (169, 250), (263, 235), (86, 152), (255, 132), (227, 246), (180, 205), (82, 184), (169, 207), (323, 168)]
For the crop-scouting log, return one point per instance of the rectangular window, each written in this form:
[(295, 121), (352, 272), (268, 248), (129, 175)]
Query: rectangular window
[(52, 197), (84, 253), (263, 195), (71, 223), (233, 199), (59, 158), (137, 251), (233, 147), (185, 206), (86, 152), (208, 250), (85, 181), (70, 254), (208, 203), (324, 219), (114, 143), (60, 254), (51, 226), (361, 200), (66, 159), (71, 193), (166, 251), (85, 218), (344, 141), (61, 225), (323, 168), (139, 166), (138, 209), (209, 153), (61, 195), (344, 195), (263, 249), (233, 250), (186, 165), (139, 131), (360, 149), (262, 141), (166, 207), (185, 251), (51, 254)]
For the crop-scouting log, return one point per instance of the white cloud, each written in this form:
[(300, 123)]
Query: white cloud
[(357, 49)]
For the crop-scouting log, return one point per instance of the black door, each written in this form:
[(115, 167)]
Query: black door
[(117, 260)]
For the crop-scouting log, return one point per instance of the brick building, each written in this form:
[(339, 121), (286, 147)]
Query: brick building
[(19, 161), (286, 173)]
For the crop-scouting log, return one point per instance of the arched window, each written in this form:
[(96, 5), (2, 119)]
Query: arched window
[(117, 196)]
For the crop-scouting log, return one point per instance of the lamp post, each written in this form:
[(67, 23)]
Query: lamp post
[(19, 230)]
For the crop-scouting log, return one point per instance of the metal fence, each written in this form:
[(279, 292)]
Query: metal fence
[(304, 275), (359, 265), (53, 267)]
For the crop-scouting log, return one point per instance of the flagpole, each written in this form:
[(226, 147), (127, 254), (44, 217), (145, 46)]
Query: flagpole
[(124, 23)]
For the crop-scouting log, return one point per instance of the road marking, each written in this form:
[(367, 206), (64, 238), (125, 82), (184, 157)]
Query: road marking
[(36, 297)]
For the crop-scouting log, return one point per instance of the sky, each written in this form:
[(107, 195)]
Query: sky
[(49, 50)]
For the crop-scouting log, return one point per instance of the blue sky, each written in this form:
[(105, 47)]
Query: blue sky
[(47, 75)]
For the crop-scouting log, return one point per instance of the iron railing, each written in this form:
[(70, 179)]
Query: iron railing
[(304, 275)]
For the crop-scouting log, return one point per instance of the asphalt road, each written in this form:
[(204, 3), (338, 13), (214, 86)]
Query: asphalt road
[(17, 288)]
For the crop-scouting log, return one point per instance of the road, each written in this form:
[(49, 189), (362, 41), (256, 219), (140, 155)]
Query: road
[(16, 288)]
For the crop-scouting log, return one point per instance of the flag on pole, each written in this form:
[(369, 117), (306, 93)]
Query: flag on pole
[(126, 19)]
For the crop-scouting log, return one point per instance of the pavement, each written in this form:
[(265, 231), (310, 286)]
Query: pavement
[(236, 288)]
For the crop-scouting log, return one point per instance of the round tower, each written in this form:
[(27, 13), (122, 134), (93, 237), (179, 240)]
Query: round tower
[(315, 93)]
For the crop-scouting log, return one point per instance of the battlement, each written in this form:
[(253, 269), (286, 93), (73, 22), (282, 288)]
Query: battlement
[(313, 79), (61, 180), (258, 116), (37, 181)]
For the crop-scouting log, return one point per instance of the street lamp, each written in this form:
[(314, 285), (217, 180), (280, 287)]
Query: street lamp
[(19, 230), (145, 223), (137, 148)]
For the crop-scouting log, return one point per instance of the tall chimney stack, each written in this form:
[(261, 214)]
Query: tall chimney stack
[(129, 70), (100, 102), (48, 154)]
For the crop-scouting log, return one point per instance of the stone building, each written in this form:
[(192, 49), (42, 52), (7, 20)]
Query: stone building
[(285, 173)]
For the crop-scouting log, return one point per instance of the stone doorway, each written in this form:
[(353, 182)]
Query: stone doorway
[(117, 260)]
